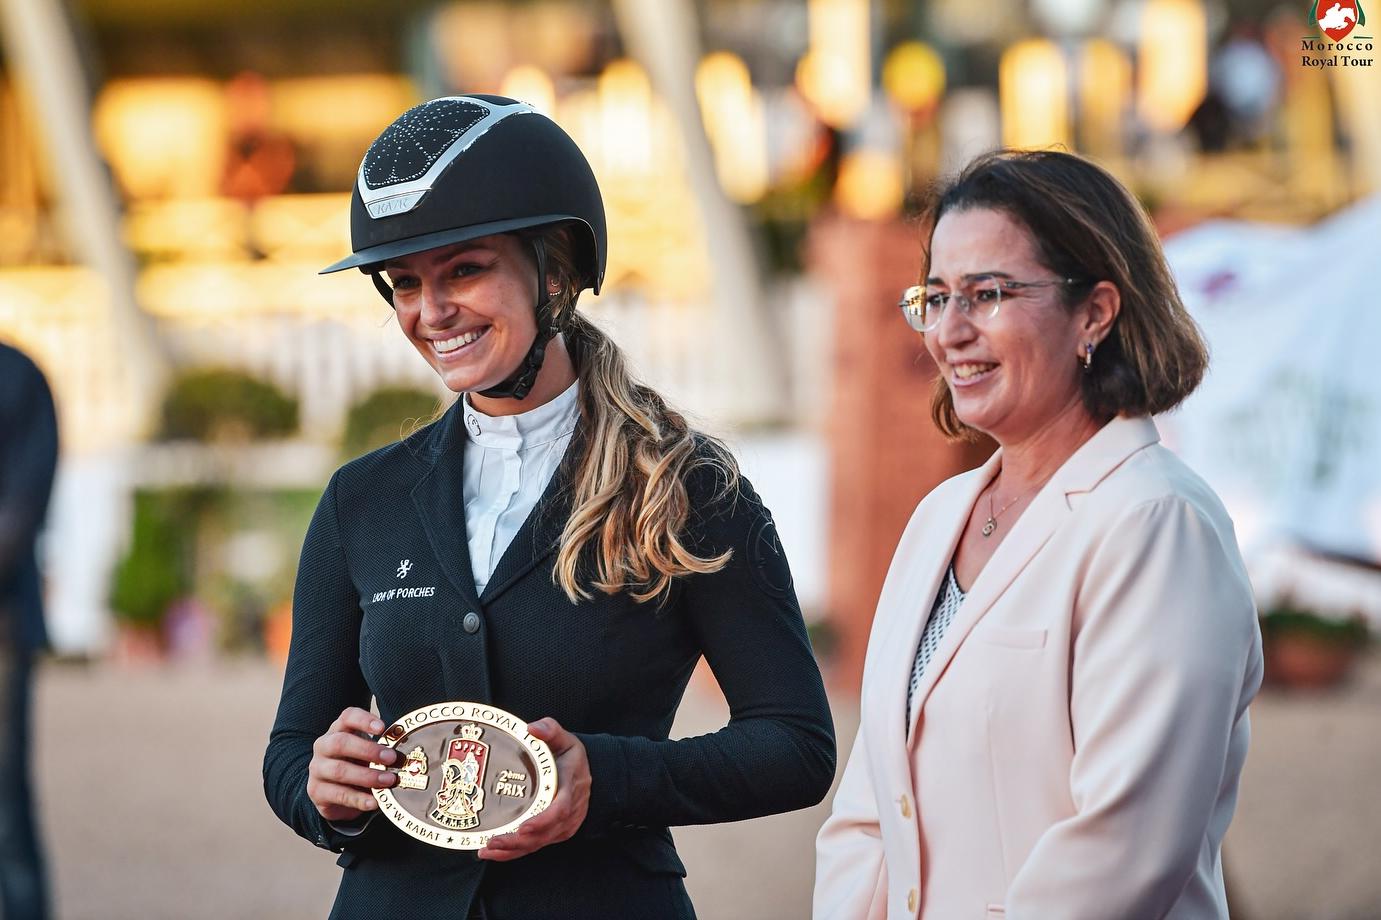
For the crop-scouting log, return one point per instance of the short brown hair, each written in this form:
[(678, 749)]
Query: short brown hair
[(1086, 225)]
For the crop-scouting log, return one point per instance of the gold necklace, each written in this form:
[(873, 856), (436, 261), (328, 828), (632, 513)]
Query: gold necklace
[(991, 524)]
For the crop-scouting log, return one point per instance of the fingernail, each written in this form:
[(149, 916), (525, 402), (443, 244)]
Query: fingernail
[(388, 755), (376, 726)]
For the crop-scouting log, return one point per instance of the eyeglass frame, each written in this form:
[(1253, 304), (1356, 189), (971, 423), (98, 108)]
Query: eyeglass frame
[(914, 295)]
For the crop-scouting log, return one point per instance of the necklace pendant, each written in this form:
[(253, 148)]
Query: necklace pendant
[(989, 527)]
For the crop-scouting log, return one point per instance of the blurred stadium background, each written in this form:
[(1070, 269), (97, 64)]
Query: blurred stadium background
[(173, 173)]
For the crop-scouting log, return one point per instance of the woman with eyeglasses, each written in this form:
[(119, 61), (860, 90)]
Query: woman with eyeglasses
[(1054, 704)]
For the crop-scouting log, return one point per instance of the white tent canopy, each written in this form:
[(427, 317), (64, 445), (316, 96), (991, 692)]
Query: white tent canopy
[(1287, 425)]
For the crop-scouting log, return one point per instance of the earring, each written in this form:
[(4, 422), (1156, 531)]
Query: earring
[(1088, 357)]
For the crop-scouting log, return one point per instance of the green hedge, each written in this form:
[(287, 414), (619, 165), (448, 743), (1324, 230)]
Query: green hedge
[(384, 416), (1287, 620), (218, 404)]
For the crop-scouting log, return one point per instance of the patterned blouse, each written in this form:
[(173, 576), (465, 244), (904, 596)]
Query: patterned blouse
[(946, 605)]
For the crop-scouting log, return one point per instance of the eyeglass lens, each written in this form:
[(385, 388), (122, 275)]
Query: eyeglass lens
[(978, 298)]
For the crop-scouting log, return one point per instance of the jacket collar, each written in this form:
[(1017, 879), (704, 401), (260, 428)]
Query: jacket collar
[(430, 442), (439, 499), (1113, 444), (1095, 459)]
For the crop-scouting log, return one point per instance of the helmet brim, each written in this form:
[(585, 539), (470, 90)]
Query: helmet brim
[(372, 259)]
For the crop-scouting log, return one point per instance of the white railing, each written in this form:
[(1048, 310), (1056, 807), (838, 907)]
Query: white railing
[(331, 341)]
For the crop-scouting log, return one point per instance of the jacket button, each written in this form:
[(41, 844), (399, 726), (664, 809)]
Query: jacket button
[(911, 901), (905, 806), (471, 623)]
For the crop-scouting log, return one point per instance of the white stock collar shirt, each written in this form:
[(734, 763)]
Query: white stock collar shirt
[(509, 460)]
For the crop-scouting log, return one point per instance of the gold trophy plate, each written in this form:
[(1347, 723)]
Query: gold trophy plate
[(470, 771)]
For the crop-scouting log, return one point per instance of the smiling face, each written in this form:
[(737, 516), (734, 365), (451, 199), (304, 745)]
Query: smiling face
[(468, 308), (1012, 374)]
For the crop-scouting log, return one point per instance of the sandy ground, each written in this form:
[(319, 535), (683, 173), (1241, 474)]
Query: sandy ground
[(152, 806)]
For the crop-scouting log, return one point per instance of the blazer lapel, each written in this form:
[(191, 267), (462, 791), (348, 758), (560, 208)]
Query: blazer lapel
[(541, 531), (1031, 531), (911, 603), (440, 501), (1093, 461)]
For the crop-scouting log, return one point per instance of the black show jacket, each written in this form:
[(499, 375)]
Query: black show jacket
[(610, 670)]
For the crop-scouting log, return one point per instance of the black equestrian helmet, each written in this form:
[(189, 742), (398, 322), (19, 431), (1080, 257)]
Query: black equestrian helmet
[(463, 167)]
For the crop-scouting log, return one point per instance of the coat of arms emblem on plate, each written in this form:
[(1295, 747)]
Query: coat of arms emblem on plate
[(461, 796)]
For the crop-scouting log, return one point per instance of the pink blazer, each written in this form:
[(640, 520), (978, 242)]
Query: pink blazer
[(1079, 731)]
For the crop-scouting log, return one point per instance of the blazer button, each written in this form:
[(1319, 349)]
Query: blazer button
[(911, 900), (471, 623), (905, 806)]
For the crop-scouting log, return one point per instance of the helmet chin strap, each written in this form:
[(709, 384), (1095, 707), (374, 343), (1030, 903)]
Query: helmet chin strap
[(380, 284), (518, 384)]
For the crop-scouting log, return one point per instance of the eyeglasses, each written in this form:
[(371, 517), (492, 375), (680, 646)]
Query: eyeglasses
[(979, 299)]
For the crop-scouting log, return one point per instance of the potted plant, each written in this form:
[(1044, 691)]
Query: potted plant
[(146, 581), (156, 570), (1306, 649)]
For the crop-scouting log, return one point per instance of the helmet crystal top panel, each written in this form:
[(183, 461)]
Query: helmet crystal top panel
[(414, 142), (402, 164)]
